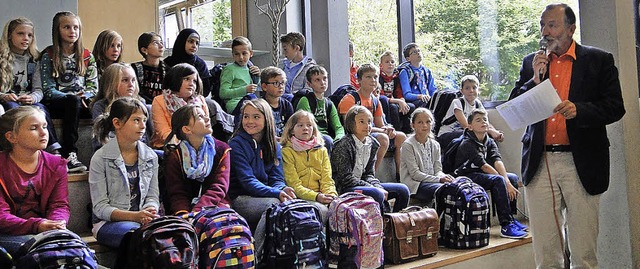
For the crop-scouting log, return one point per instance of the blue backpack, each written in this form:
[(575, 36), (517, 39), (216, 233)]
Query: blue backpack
[(295, 236), (463, 207), (56, 249)]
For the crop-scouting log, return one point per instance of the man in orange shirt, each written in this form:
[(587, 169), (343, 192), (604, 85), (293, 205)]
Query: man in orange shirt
[(565, 158)]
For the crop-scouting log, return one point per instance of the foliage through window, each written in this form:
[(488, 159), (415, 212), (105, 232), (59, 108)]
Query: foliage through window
[(487, 38), (212, 20), (372, 29)]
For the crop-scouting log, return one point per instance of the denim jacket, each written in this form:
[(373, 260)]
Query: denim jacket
[(109, 185)]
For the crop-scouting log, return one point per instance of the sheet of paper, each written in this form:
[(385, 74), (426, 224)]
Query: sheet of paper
[(530, 107)]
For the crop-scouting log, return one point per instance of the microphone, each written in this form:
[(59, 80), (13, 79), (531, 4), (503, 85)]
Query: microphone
[(543, 47)]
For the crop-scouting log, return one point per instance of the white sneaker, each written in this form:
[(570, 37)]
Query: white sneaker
[(73, 165)]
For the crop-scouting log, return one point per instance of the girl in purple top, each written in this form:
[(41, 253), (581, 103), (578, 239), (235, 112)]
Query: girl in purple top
[(34, 182)]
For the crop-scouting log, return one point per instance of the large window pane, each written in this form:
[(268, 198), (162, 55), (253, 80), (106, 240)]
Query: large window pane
[(372, 29), (213, 22), (487, 38)]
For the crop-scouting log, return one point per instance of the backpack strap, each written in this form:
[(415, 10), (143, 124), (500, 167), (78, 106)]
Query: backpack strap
[(453, 119), (137, 67), (86, 56), (5, 192), (374, 101)]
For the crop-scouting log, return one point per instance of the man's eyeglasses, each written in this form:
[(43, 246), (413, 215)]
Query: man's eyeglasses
[(415, 52), (277, 83)]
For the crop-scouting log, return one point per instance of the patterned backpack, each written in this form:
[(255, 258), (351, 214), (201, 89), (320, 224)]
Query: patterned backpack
[(165, 242), (463, 207), (226, 237), (56, 249), (355, 232), (295, 236)]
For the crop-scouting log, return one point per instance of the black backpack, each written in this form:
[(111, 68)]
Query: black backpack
[(343, 90), (165, 242), (214, 81), (295, 236), (448, 159), (439, 105), (56, 249)]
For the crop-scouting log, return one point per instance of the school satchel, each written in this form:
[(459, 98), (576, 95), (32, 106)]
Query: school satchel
[(165, 242), (355, 232), (295, 236), (56, 249), (410, 234), (225, 239), (463, 207)]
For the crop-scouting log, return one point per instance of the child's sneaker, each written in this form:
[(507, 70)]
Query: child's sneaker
[(521, 226), (73, 165), (512, 231)]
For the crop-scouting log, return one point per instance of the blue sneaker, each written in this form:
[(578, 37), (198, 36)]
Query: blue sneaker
[(521, 226), (512, 231)]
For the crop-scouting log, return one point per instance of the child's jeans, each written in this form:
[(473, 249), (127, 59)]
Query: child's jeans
[(496, 184), (398, 191)]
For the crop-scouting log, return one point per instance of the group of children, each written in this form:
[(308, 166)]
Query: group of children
[(277, 154)]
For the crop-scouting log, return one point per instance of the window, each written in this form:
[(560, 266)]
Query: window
[(212, 20), (372, 29), (487, 38)]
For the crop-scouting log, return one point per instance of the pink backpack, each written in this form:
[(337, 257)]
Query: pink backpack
[(355, 232)]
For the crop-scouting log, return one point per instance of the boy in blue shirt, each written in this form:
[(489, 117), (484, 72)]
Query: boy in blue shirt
[(416, 80), (295, 64)]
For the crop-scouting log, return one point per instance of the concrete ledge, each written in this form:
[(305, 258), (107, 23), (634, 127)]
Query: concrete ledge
[(447, 256)]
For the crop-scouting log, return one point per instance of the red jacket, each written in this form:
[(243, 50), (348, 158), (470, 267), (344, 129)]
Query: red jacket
[(181, 191)]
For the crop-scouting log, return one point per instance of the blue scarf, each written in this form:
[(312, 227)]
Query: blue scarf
[(198, 165)]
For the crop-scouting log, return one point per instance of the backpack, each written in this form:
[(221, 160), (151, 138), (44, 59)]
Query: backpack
[(343, 90), (295, 236), (165, 242), (56, 249), (412, 75), (448, 159), (463, 207), (214, 80), (439, 105), (355, 232), (225, 237)]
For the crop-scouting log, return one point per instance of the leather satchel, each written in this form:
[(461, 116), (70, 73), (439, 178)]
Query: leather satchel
[(410, 234)]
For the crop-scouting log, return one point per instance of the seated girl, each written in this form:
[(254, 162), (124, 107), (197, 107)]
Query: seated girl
[(306, 162), (34, 183), (196, 171), (107, 50), (118, 80), (353, 159), (257, 180), (123, 179), (152, 70), (19, 75), (183, 87), (421, 168)]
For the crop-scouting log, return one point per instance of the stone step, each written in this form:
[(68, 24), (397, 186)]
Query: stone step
[(469, 258)]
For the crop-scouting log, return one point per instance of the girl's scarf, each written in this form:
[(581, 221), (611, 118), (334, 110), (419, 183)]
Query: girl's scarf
[(174, 102), (198, 165), (299, 145)]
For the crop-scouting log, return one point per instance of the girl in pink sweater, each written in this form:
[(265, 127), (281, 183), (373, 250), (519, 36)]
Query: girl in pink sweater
[(34, 183)]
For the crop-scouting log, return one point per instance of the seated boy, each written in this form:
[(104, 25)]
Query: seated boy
[(273, 81), (295, 64), (455, 121), (478, 158), (416, 80), (368, 80), (235, 80), (324, 110), (395, 108)]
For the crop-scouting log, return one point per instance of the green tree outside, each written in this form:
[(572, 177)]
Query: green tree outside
[(487, 38), (213, 22)]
